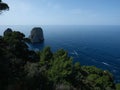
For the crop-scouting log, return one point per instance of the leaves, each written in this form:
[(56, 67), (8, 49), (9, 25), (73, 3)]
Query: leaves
[(3, 6), (118, 86)]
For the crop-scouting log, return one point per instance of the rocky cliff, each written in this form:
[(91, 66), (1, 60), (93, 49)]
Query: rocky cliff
[(37, 35)]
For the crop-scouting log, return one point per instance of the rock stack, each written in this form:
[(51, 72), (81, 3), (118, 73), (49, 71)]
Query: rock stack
[(36, 35)]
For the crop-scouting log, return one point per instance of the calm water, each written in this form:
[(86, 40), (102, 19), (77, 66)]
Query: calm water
[(90, 45)]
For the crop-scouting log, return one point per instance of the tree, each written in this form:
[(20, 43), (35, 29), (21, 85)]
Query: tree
[(61, 67), (3, 6), (14, 54), (35, 75), (4, 65), (45, 57), (98, 79), (76, 76), (16, 44)]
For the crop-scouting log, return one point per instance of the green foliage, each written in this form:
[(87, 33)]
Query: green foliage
[(35, 74), (92, 77), (3, 6), (98, 79), (61, 67), (21, 69), (45, 56), (76, 76), (92, 69), (118, 86), (16, 45), (4, 66), (14, 54)]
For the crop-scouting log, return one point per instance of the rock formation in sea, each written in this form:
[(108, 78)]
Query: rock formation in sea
[(7, 31), (36, 35)]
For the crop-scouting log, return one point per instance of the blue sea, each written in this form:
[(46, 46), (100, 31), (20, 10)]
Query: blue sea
[(89, 45)]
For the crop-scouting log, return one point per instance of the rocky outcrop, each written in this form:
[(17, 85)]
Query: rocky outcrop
[(7, 31), (37, 35)]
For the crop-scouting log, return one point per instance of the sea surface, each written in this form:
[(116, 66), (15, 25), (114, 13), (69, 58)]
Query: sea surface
[(89, 45)]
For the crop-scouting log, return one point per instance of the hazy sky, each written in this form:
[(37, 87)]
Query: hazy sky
[(61, 12)]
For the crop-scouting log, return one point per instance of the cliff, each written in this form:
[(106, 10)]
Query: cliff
[(36, 35)]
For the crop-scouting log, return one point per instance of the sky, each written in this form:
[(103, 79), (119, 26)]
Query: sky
[(61, 12)]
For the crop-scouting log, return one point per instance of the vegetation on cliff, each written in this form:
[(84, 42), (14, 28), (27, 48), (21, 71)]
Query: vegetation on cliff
[(22, 69)]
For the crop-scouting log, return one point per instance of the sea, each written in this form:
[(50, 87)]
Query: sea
[(97, 45)]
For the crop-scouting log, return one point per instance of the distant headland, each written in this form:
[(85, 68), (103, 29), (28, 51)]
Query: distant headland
[(36, 35)]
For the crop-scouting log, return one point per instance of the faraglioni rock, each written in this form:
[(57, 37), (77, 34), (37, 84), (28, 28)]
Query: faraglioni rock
[(7, 31), (37, 35)]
